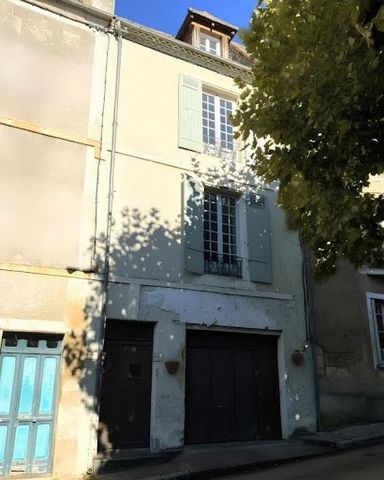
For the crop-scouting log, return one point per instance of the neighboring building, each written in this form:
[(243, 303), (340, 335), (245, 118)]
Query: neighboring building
[(137, 239), (349, 324), (52, 83)]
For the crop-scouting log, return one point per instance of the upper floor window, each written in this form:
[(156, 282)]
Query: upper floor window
[(210, 44), (220, 235), (217, 125), (212, 229), (376, 316)]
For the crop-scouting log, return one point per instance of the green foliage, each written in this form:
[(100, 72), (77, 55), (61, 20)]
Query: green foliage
[(317, 95)]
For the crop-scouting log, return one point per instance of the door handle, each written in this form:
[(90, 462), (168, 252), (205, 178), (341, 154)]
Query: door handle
[(34, 420)]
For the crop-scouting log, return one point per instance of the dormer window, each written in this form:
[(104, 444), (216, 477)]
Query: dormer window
[(206, 32), (210, 44)]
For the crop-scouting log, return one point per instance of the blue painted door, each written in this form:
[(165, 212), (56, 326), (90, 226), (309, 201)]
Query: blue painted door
[(29, 370)]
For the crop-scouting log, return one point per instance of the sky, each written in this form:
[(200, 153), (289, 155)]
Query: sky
[(168, 15)]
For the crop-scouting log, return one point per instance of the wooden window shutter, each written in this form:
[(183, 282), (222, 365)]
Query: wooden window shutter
[(259, 249), (190, 114), (193, 193)]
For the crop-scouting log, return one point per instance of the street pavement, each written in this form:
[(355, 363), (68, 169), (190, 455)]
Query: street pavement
[(359, 464)]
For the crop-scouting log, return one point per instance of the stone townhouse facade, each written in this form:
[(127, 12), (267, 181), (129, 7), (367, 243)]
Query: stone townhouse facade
[(151, 294)]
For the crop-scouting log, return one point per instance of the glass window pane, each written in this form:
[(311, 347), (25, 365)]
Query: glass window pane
[(3, 437), (48, 385), (28, 385), (6, 381), (21, 443), (43, 435)]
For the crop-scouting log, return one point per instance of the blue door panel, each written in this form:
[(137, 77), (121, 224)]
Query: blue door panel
[(20, 445), (29, 368), (48, 385), (43, 440), (3, 437), (8, 364), (28, 385)]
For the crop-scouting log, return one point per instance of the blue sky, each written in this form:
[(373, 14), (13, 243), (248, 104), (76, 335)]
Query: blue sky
[(168, 15)]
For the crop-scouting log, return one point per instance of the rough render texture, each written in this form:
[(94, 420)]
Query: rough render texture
[(352, 390), (147, 247), (48, 203)]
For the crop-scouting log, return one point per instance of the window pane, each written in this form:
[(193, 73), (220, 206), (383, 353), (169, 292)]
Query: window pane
[(28, 385), (379, 314), (48, 384), (42, 441), (6, 382), (21, 443)]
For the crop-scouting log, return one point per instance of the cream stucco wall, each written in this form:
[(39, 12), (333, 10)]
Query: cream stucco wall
[(149, 281)]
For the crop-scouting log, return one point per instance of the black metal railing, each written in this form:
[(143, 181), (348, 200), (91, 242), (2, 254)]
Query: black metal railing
[(226, 265)]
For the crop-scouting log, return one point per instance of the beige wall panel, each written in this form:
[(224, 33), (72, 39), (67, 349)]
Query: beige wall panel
[(148, 115), (48, 60), (41, 195), (147, 209), (34, 297)]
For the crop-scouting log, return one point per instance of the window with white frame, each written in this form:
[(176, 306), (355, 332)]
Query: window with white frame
[(220, 235), (217, 125), (376, 317), (210, 44)]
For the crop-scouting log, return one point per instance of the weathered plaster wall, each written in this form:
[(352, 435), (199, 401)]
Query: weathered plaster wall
[(351, 388), (53, 76), (147, 251)]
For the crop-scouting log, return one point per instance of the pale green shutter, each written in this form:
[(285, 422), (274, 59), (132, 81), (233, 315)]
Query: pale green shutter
[(259, 250), (190, 114), (193, 225)]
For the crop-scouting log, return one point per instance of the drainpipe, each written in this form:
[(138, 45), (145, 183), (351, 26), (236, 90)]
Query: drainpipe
[(310, 326), (104, 294)]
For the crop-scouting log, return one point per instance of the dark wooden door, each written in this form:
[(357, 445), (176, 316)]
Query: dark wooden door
[(125, 401), (231, 387)]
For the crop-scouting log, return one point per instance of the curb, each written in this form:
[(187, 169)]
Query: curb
[(231, 469), (360, 442), (329, 448)]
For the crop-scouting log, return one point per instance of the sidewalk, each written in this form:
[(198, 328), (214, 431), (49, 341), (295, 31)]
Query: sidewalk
[(210, 461)]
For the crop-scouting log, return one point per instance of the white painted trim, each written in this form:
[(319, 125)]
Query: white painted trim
[(377, 362), (31, 325)]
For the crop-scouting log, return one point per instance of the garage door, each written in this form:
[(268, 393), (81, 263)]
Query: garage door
[(232, 391)]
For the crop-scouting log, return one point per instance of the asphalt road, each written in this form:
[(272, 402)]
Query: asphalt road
[(361, 464)]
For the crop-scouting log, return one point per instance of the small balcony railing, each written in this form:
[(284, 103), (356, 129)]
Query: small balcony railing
[(226, 265), (232, 151)]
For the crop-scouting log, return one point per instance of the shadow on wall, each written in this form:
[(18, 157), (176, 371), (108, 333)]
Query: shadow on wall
[(143, 246)]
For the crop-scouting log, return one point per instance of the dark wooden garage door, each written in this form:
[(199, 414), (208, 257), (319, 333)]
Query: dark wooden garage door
[(125, 402), (232, 391)]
